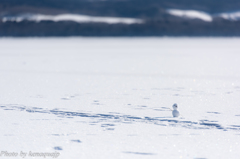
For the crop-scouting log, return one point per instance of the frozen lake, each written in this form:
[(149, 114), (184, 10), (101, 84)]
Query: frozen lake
[(110, 98)]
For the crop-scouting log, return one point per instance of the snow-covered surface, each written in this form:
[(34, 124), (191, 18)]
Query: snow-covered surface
[(110, 98), (71, 17), (231, 15), (194, 14), (191, 14)]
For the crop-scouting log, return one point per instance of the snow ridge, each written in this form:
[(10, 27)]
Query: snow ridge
[(234, 16), (191, 14), (71, 17)]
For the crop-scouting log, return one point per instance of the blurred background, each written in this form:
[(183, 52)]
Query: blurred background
[(119, 17)]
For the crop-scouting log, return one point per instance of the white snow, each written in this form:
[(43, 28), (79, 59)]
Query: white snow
[(71, 17), (231, 15), (191, 14), (110, 98)]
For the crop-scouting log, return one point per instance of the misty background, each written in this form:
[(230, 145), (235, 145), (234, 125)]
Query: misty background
[(119, 18)]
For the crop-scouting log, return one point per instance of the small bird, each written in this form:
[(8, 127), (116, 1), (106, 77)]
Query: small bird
[(175, 112)]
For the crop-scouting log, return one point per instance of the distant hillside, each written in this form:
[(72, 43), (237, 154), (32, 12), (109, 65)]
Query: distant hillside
[(154, 13), (123, 8)]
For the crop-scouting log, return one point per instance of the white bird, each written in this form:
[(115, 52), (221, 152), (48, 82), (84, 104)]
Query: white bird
[(175, 112)]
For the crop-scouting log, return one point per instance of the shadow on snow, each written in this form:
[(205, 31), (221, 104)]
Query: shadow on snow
[(202, 124)]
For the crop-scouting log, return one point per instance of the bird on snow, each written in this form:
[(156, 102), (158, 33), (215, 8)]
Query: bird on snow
[(175, 112)]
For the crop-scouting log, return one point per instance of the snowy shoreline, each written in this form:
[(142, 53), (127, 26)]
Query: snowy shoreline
[(110, 97)]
